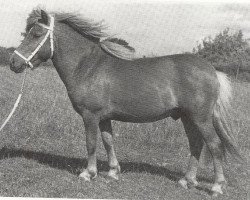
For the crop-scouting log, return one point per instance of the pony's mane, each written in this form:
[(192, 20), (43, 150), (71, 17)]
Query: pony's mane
[(89, 29)]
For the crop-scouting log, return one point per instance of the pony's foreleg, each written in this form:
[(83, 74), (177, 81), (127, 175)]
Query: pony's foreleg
[(91, 124), (195, 145), (107, 138)]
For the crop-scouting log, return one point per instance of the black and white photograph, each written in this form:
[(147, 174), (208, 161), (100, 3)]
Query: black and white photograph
[(125, 99)]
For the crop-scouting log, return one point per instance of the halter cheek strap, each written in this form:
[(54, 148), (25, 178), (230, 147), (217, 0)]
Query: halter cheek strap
[(48, 34)]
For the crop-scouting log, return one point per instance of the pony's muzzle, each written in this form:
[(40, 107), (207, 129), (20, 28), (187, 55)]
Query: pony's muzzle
[(17, 65)]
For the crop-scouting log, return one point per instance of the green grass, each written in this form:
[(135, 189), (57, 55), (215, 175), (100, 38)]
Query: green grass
[(42, 148)]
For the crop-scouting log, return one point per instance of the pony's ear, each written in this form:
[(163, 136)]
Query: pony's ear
[(44, 18)]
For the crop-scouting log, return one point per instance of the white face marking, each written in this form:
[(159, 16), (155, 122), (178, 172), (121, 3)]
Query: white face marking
[(173, 98)]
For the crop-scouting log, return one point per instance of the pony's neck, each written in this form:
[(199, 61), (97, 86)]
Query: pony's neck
[(70, 47)]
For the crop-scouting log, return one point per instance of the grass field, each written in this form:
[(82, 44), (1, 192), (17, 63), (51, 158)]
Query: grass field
[(42, 148)]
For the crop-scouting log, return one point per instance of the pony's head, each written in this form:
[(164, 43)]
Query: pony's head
[(37, 46)]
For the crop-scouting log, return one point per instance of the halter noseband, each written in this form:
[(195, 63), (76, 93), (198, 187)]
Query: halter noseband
[(49, 33)]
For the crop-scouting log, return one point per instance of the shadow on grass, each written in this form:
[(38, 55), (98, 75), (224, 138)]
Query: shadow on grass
[(75, 165)]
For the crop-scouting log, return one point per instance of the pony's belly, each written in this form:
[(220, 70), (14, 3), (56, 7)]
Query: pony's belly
[(143, 107), (144, 117)]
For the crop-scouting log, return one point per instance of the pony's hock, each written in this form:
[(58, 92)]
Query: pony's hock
[(104, 83)]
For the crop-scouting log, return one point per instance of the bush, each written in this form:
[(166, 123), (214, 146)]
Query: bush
[(227, 52)]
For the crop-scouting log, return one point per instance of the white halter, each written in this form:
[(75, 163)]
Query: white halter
[(49, 33)]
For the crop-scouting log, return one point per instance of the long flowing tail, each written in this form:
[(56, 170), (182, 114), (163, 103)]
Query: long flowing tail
[(220, 118)]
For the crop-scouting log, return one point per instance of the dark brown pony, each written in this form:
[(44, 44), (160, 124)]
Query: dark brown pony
[(105, 83)]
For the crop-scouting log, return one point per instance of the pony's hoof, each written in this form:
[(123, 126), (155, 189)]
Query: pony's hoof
[(216, 190), (87, 176), (113, 175), (183, 183), (193, 183), (186, 183), (215, 194)]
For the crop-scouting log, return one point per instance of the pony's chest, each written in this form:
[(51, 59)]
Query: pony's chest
[(89, 95)]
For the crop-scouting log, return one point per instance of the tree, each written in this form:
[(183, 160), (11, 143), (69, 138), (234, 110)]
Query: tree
[(225, 51)]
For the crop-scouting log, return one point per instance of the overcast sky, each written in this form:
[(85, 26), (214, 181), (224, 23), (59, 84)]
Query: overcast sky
[(151, 27)]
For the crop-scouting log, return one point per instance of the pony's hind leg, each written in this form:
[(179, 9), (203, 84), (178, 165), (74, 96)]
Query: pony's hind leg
[(195, 144), (107, 138), (214, 145)]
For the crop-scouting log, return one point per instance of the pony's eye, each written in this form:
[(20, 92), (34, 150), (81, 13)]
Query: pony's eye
[(37, 34), (36, 31)]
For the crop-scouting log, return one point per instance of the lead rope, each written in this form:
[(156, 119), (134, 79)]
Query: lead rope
[(17, 102)]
